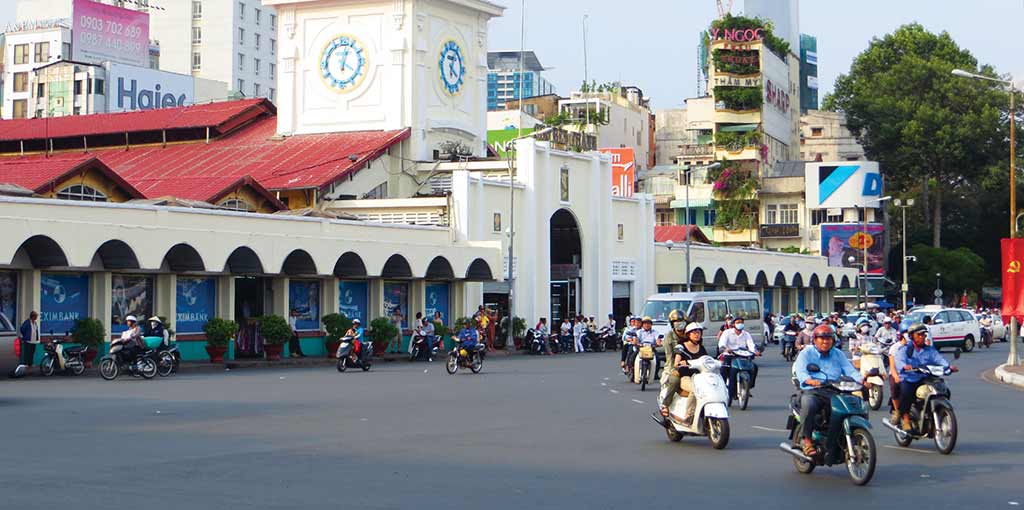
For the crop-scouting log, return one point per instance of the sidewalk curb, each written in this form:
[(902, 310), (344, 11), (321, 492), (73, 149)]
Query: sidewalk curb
[(1006, 377)]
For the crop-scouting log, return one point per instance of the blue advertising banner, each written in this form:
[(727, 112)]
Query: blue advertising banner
[(304, 304), (353, 299), (396, 299), (130, 295), (437, 301), (64, 300), (9, 297), (196, 304)]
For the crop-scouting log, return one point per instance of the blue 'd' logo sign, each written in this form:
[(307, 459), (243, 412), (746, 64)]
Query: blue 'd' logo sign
[(145, 99), (831, 178)]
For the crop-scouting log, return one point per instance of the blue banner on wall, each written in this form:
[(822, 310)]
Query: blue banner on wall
[(64, 299), (396, 299), (352, 300), (304, 304), (437, 301), (130, 295), (9, 297), (196, 304)]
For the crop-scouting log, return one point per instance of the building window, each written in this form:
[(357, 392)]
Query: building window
[(819, 216), (78, 110), (21, 82), (39, 90), (496, 223), (241, 10), (258, 15), (817, 131), (273, 70), (98, 87), (379, 192), (42, 52), (271, 95), (241, 61), (197, 61), (564, 184), (197, 35), (197, 9), (273, 22), (788, 213), (256, 90), (241, 86), (620, 232), (273, 46), (709, 217), (241, 36), (20, 107), (256, 66), (78, 87), (83, 193), (256, 41), (20, 54), (235, 204), (771, 214)]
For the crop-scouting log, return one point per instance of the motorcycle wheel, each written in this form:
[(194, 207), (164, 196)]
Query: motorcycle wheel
[(147, 368), (366, 366), (644, 372), (743, 394), (452, 365), (860, 462), (875, 397), (477, 365), (802, 466), (165, 366), (342, 364), (413, 355), (109, 369), (78, 368), (673, 435), (718, 432), (945, 430), (46, 366)]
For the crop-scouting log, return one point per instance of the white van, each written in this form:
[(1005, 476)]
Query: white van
[(709, 309)]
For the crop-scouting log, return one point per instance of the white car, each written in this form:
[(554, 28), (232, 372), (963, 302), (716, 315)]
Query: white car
[(954, 327)]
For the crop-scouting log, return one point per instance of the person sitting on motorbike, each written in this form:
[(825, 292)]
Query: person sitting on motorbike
[(644, 336), (727, 326), (542, 328), (356, 333), (894, 373), (610, 325), (861, 336), (426, 331), (832, 364), (468, 340), (795, 325), (629, 339), (131, 338), (806, 337), (986, 328), (886, 334), (669, 378), (156, 328), (692, 348), (916, 354), (731, 340)]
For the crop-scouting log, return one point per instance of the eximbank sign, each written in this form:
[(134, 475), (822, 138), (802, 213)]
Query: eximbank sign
[(842, 184), (132, 88)]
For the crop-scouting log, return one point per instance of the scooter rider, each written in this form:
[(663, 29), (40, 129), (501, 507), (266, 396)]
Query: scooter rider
[(131, 337), (894, 373), (156, 328), (644, 336), (689, 350), (356, 332), (862, 336), (916, 354), (669, 378), (886, 334), (629, 339), (468, 338), (805, 338), (832, 363), (795, 325), (734, 339)]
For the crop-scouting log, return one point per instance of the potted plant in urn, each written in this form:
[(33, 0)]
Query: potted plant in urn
[(275, 331), (381, 332), (89, 332), (219, 333), (337, 325)]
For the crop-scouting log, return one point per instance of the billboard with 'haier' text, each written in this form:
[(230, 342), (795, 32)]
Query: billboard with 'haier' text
[(842, 184), (131, 88), (102, 33)]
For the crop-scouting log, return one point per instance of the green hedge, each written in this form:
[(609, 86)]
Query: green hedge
[(774, 43), (740, 98), (738, 141), (729, 67)]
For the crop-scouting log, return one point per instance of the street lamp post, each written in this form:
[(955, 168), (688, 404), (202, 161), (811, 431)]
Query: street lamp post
[(853, 262), (904, 288), (1014, 329), (938, 285)]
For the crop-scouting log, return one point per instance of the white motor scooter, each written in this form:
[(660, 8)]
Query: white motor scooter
[(710, 415), (872, 367)]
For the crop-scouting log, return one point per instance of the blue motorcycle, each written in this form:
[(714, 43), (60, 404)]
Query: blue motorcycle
[(842, 433), (742, 365), (789, 346)]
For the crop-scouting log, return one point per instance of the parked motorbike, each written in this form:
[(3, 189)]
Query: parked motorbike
[(466, 358), (789, 346), (872, 367), (137, 362), (931, 415), (710, 415), (58, 358), (742, 364), (347, 356), (606, 339), (535, 341), (842, 432)]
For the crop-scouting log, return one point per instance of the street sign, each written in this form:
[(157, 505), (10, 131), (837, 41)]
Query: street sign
[(904, 287), (938, 301), (938, 293)]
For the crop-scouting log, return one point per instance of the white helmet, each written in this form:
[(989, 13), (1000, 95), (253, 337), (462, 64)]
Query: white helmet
[(693, 326), (131, 318)]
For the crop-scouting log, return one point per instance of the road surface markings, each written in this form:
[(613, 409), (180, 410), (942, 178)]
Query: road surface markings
[(638, 401), (768, 429), (604, 384), (614, 391), (902, 449), (605, 379)]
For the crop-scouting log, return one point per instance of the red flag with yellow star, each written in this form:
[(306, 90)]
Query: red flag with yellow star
[(1013, 279)]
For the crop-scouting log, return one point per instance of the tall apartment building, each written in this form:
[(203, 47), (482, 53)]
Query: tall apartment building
[(29, 47), (505, 81), (808, 73), (232, 41)]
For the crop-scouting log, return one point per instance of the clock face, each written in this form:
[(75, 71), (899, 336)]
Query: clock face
[(343, 63), (452, 66)]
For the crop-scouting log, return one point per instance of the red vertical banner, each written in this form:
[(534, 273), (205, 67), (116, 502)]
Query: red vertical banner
[(1013, 279)]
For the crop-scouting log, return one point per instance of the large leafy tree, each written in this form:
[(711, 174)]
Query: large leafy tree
[(961, 269), (934, 134)]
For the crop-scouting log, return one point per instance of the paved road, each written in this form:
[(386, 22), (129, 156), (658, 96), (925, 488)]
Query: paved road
[(555, 432)]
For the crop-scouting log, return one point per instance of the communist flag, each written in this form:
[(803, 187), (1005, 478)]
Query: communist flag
[(1013, 279)]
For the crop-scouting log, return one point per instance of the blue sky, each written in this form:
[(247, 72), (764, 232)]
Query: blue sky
[(652, 43)]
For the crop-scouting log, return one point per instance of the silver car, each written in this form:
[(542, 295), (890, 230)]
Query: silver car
[(8, 335)]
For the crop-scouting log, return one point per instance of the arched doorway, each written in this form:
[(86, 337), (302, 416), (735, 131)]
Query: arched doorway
[(566, 266)]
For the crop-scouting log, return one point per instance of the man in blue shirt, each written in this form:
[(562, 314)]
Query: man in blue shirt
[(832, 364), (916, 354), (468, 338)]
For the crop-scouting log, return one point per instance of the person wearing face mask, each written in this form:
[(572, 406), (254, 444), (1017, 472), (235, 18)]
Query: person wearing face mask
[(886, 334), (692, 348), (917, 353), (805, 337), (731, 340), (725, 327), (861, 336), (793, 328)]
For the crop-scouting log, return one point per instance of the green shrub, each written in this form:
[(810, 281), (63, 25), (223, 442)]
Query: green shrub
[(275, 329), (88, 331), (737, 141), (336, 325), (774, 43), (219, 332), (460, 322), (740, 98), (722, 66), (382, 330)]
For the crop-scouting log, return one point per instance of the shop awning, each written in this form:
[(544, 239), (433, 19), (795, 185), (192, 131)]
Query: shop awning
[(694, 203), (737, 128)]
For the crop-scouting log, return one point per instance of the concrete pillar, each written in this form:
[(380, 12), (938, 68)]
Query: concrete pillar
[(417, 298), (376, 299), (100, 284), (30, 291), (329, 298), (226, 297), (279, 289), (165, 302), (473, 296), (458, 301)]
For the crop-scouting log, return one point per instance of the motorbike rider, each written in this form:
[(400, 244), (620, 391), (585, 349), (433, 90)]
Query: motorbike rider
[(629, 338), (727, 326), (669, 378), (131, 338), (831, 363), (861, 336), (356, 333), (426, 331), (734, 339), (886, 334), (795, 325), (542, 328), (692, 348), (918, 353), (806, 336), (986, 328), (156, 328), (894, 373), (468, 339), (644, 336)]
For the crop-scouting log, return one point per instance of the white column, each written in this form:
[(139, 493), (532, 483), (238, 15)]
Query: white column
[(279, 286), (30, 293), (99, 299), (226, 297), (165, 303), (329, 298)]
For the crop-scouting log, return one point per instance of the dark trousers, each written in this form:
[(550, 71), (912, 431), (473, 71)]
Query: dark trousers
[(908, 393), (625, 351), (28, 353), (812, 402), (294, 346), (730, 376)]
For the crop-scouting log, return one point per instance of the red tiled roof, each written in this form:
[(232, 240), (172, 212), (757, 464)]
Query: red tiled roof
[(218, 115), (678, 233), (40, 173)]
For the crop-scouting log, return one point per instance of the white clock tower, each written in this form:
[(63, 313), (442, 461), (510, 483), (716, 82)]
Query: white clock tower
[(360, 65)]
